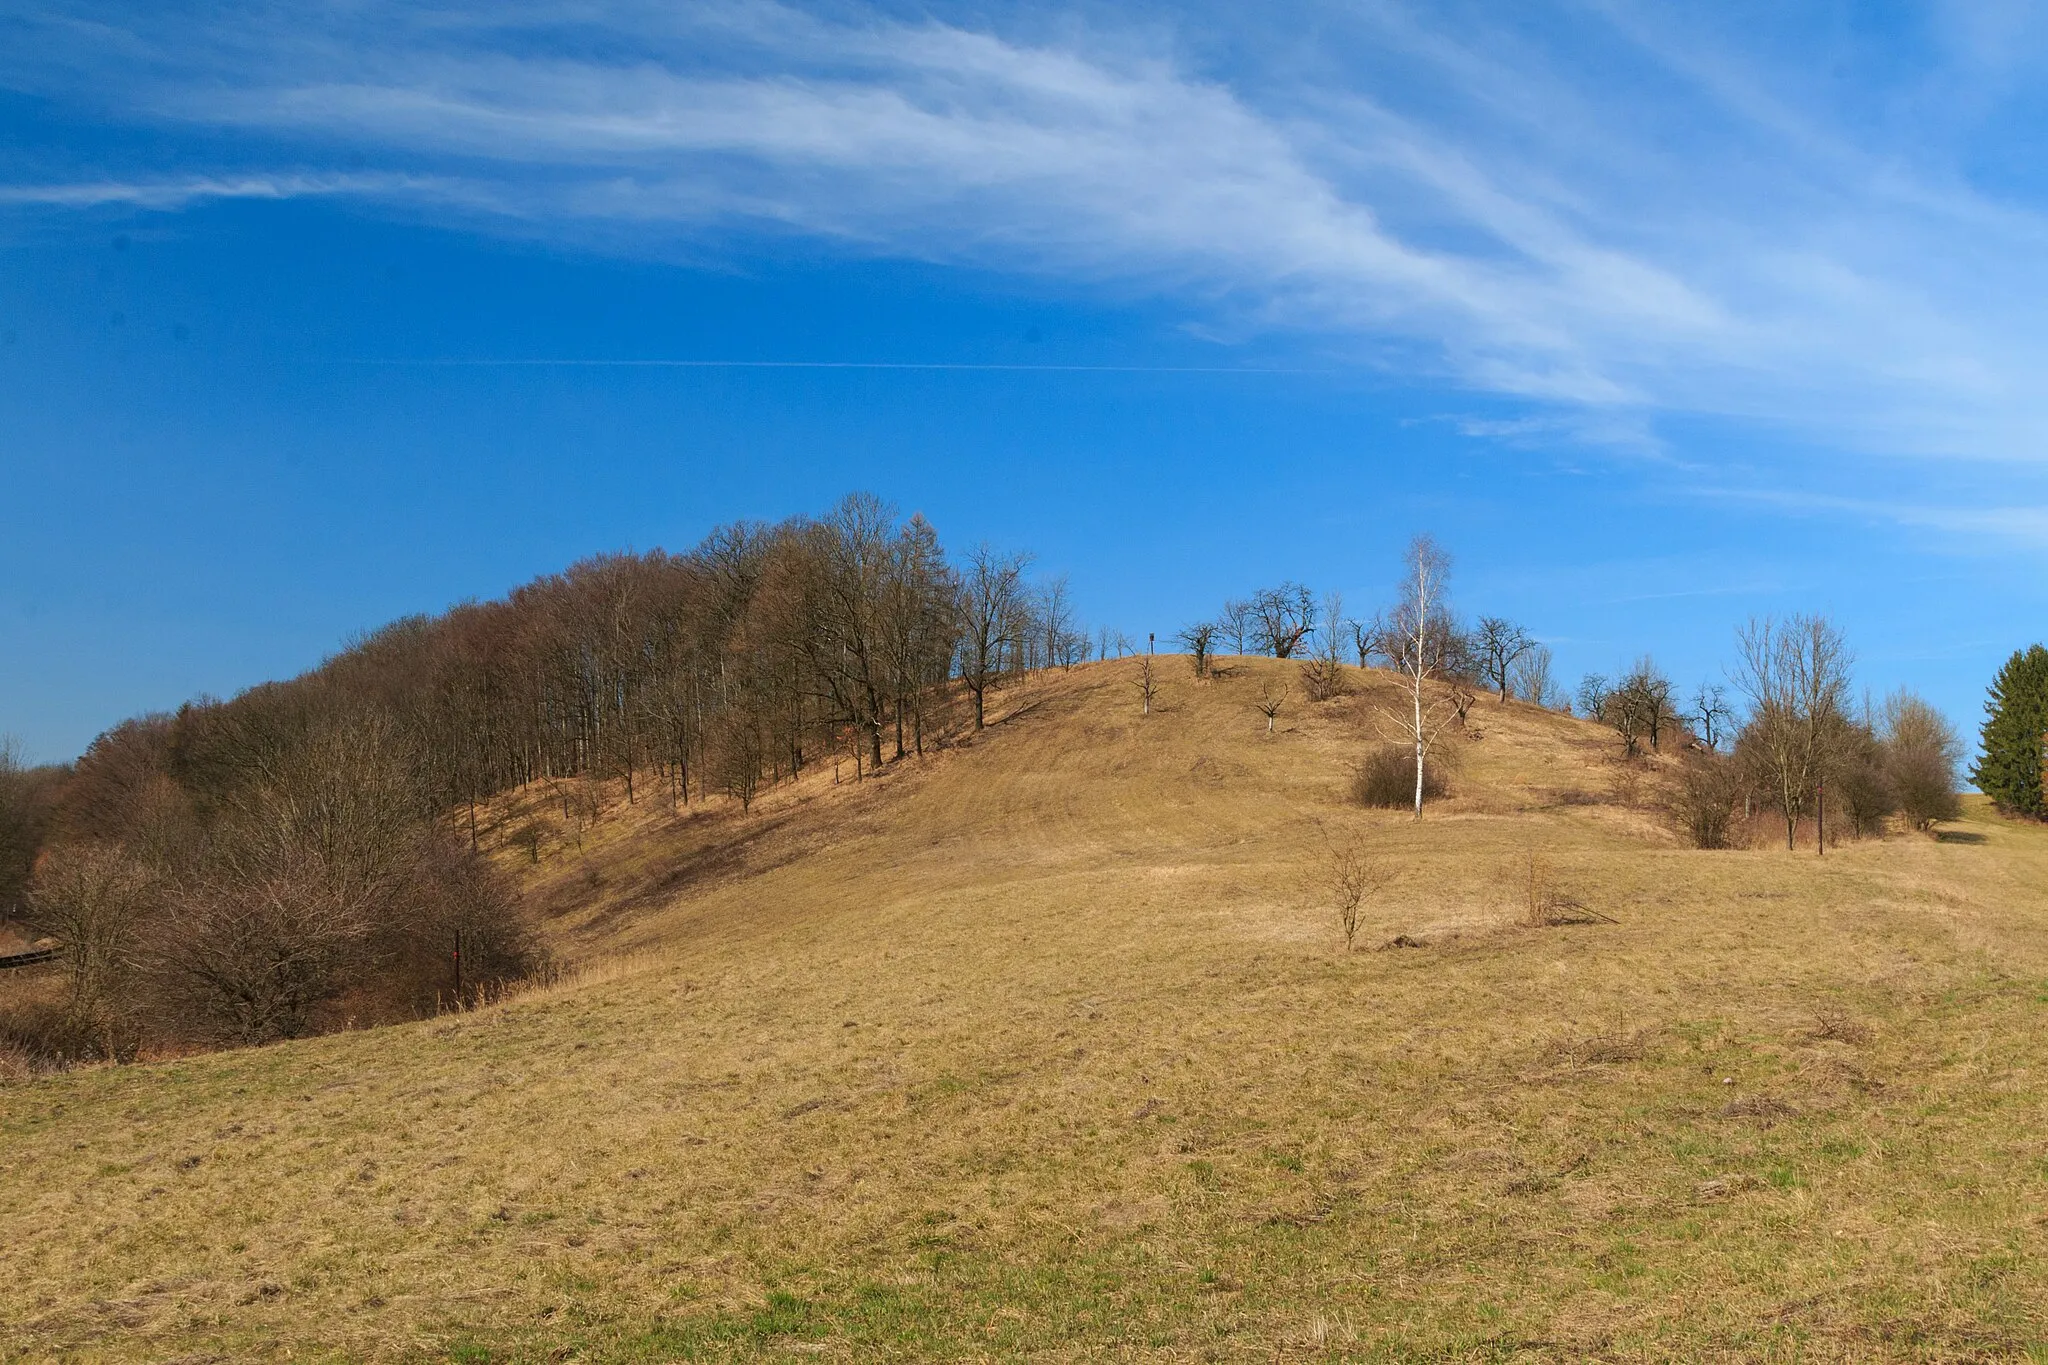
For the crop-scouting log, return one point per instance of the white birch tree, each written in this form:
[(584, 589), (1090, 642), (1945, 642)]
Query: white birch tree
[(1419, 638)]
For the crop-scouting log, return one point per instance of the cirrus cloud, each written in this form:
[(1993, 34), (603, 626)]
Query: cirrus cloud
[(1600, 215)]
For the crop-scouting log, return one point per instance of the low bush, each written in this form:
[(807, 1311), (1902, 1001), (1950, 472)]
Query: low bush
[(1323, 679), (1862, 793), (1925, 785), (50, 1033), (1386, 779), (1701, 802), (1920, 752)]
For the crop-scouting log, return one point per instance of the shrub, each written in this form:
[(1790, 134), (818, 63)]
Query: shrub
[(1702, 801), (1925, 784), (1863, 793), (51, 1032), (453, 898), (1920, 750), (533, 835), (1322, 679), (1352, 874), (1386, 778), (94, 900)]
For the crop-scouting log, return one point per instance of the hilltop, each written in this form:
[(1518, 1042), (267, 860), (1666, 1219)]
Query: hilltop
[(1047, 1044)]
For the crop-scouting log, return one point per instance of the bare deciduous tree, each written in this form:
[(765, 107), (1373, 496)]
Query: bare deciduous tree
[(1269, 703), (1235, 624), (1499, 645), (1920, 754), (1282, 618), (991, 615), (1795, 674), (95, 900), (532, 835), (738, 754), (1365, 641), (1712, 713), (25, 794), (1146, 683), (843, 579), (1701, 801), (264, 937), (302, 887), (1352, 873), (1055, 621), (1200, 640), (919, 598), (1590, 700), (1422, 641), (1462, 696), (1532, 679), (1638, 706), (1322, 672)]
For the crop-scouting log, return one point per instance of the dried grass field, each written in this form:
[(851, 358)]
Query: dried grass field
[(1048, 1047)]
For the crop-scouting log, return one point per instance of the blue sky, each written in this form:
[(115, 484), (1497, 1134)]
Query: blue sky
[(313, 315)]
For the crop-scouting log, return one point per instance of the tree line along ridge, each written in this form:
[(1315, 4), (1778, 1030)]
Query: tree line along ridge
[(306, 855)]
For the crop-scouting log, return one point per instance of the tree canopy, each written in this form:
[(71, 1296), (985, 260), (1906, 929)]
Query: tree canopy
[(2015, 720)]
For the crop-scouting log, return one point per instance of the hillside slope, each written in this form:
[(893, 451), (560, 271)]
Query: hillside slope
[(1048, 1046)]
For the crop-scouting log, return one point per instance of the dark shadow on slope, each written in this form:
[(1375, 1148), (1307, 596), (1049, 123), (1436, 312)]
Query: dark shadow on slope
[(733, 848)]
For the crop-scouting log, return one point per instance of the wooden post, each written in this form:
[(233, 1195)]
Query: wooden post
[(1820, 817)]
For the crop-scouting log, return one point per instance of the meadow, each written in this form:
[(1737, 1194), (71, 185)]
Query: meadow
[(1048, 1046)]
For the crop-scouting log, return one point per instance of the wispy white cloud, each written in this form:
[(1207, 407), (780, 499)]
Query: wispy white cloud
[(1989, 527), (180, 192), (1674, 225)]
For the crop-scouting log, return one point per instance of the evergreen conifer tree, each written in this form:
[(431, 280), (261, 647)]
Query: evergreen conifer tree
[(2015, 724)]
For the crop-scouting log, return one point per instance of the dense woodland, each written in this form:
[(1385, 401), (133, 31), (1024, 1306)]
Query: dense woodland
[(306, 856)]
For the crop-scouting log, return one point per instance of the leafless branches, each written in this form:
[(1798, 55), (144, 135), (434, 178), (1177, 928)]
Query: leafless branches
[(96, 900), (1352, 873), (1281, 619), (1702, 798), (1322, 672), (26, 799), (1638, 706), (991, 619), (1422, 641), (1200, 640), (1499, 645), (1795, 674), (1235, 624), (1269, 703), (737, 754), (1547, 906), (1531, 678), (1711, 712), (1921, 751)]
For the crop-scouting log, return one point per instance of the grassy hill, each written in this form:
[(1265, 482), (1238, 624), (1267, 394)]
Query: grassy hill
[(1048, 1046)]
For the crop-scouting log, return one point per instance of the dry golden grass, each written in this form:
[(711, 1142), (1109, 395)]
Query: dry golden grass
[(1049, 1047)]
